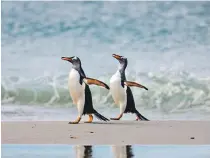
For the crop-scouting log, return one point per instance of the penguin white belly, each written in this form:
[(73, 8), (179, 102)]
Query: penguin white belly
[(76, 90), (118, 92)]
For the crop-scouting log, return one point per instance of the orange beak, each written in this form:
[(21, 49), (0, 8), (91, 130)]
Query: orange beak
[(116, 56), (67, 58)]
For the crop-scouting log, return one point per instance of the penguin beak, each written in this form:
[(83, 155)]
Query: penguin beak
[(67, 58), (116, 56)]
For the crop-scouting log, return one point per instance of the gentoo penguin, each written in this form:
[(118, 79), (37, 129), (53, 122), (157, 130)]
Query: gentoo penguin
[(80, 91), (121, 92)]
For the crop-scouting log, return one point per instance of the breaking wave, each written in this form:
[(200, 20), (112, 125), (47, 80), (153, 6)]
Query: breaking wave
[(167, 92)]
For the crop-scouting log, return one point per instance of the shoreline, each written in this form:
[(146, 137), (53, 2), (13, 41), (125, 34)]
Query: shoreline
[(15, 113), (102, 133)]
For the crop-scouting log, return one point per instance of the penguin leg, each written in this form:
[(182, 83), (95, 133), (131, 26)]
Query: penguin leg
[(118, 118), (80, 107), (122, 110), (76, 121), (90, 119)]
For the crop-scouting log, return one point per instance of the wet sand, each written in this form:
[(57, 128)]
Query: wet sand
[(113, 132)]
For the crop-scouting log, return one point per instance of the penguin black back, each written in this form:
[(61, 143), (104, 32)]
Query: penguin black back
[(130, 107), (88, 108)]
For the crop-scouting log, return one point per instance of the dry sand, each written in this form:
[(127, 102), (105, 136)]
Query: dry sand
[(114, 132)]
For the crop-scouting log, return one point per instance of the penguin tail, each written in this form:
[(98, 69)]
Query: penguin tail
[(140, 116), (99, 116)]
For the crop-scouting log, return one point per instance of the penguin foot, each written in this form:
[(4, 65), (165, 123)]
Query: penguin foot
[(76, 121), (90, 119), (137, 119), (118, 118)]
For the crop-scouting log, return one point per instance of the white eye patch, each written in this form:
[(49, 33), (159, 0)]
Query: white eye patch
[(74, 58)]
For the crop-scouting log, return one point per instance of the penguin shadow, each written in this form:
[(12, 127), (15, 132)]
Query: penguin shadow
[(130, 122), (87, 151), (106, 123), (118, 122)]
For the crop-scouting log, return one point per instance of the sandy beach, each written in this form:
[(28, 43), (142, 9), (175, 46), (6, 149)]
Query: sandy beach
[(113, 132)]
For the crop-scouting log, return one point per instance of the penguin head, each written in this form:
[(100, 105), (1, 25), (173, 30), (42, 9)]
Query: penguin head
[(122, 60), (74, 60)]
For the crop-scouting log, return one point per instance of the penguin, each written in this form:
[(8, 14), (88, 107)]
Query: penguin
[(121, 91), (80, 91)]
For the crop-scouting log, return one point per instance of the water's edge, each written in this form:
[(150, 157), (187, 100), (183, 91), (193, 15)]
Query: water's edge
[(129, 151)]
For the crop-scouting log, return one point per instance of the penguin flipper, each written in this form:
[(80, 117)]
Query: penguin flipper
[(90, 81), (130, 84)]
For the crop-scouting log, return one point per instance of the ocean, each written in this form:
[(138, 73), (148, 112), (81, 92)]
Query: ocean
[(167, 45)]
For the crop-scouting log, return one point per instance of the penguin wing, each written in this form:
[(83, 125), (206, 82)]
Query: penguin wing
[(130, 83), (90, 81)]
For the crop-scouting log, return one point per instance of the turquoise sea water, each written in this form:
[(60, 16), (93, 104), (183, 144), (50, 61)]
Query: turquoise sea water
[(136, 151), (166, 43)]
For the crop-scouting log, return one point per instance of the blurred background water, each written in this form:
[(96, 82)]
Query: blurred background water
[(167, 45)]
